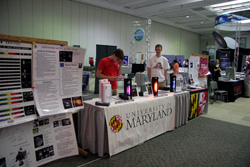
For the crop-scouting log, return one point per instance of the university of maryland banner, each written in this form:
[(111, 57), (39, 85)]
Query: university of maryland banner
[(129, 124), (198, 103)]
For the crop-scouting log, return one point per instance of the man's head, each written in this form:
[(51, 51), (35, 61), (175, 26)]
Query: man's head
[(158, 49), (119, 55)]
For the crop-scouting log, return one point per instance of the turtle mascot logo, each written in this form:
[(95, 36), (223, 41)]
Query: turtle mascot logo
[(116, 124)]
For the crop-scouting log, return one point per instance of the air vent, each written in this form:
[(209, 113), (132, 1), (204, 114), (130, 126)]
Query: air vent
[(211, 16), (198, 9)]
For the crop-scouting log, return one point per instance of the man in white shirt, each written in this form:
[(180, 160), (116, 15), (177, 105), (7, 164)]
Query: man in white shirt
[(157, 67)]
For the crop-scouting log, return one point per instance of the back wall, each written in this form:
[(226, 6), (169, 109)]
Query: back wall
[(86, 25)]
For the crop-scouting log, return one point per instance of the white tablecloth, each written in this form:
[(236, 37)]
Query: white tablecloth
[(93, 132), (182, 103)]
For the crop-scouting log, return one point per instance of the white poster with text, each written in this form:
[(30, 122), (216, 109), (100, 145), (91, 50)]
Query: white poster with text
[(38, 142), (57, 78)]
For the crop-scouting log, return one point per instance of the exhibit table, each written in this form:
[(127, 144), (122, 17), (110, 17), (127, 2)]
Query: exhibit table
[(121, 126), (198, 102), (234, 88)]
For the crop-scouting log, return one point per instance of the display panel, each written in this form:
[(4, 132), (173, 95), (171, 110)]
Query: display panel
[(230, 73), (224, 58), (138, 68), (125, 62)]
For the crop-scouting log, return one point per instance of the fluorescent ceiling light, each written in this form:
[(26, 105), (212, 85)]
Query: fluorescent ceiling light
[(230, 7), (245, 21), (229, 3)]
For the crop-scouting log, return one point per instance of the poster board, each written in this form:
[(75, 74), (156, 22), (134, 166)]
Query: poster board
[(38, 142), (57, 78), (16, 94), (197, 64), (205, 63), (24, 137)]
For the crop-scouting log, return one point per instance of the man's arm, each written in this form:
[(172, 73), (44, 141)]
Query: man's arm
[(120, 68), (166, 74), (101, 76), (149, 74)]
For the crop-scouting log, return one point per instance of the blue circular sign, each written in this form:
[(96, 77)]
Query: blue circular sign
[(211, 51), (139, 34)]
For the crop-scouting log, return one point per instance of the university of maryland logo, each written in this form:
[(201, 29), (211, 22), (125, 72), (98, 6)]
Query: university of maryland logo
[(158, 66), (116, 124)]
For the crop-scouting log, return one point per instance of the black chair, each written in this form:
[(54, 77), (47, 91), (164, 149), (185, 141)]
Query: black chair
[(215, 91), (84, 69), (87, 69)]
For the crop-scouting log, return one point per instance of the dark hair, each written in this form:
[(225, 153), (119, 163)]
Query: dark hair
[(175, 61), (158, 45), (119, 53)]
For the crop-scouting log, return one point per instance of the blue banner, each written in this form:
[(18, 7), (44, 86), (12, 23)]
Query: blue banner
[(226, 18)]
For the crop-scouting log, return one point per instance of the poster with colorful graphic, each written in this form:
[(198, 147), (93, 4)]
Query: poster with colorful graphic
[(38, 142), (16, 96), (194, 104), (198, 102), (202, 102), (57, 78), (204, 66)]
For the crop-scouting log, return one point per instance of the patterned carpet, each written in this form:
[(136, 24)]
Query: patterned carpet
[(201, 142)]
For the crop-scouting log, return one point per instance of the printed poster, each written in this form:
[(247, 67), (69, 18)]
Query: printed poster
[(202, 102), (38, 142), (198, 103), (16, 95), (57, 78), (204, 66), (194, 105), (194, 63)]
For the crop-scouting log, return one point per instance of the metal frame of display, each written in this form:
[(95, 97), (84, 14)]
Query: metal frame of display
[(133, 27)]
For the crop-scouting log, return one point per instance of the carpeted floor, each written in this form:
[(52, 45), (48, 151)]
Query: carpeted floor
[(201, 142)]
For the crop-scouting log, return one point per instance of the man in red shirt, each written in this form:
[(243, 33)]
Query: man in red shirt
[(91, 62), (110, 67)]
